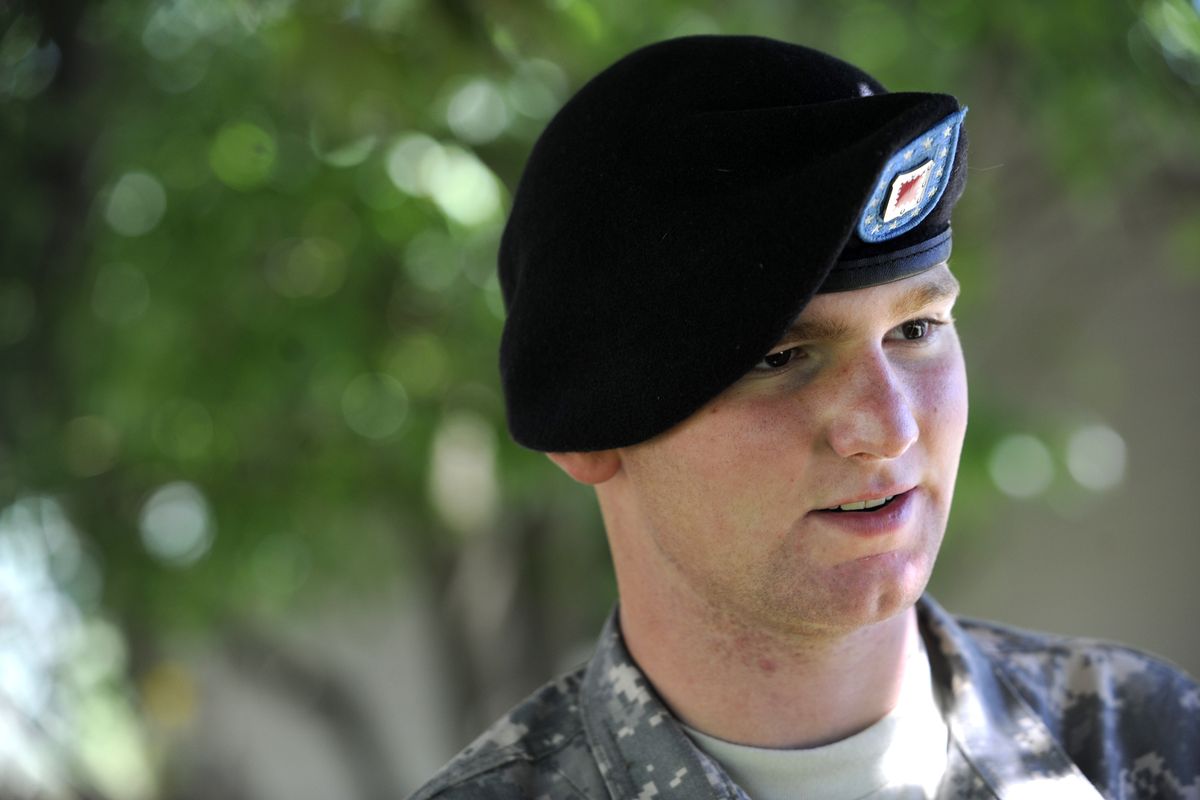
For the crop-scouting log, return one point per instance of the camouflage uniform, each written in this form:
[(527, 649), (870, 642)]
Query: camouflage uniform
[(1029, 716)]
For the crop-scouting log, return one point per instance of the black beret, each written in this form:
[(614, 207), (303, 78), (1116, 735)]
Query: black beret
[(685, 205)]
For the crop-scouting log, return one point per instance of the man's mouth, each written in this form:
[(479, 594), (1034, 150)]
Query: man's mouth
[(865, 505)]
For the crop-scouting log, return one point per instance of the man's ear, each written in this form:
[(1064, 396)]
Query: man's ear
[(591, 468)]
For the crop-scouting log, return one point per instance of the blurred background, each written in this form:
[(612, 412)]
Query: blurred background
[(262, 531)]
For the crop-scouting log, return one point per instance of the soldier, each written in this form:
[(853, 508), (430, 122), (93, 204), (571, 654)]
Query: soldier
[(729, 310)]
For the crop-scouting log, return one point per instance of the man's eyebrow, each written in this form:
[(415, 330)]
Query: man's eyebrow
[(817, 329), (943, 286)]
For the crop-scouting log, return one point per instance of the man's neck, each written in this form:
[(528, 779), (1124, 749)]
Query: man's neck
[(762, 689)]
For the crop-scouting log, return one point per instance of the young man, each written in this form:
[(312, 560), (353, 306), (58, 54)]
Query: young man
[(730, 312)]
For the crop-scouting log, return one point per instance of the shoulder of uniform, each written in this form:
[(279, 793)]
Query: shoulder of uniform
[(1128, 719), (520, 751), (1078, 665)]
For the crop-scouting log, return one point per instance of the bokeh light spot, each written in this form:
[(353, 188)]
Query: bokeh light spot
[(1177, 27), (242, 155), (1021, 466), (91, 445), (537, 88), (405, 160), (110, 748), (20, 39), (169, 33), (121, 294), (346, 154), (1096, 457), (462, 475), (464, 189), (312, 267), (136, 204), (176, 524), (26, 67), (477, 112), (374, 405)]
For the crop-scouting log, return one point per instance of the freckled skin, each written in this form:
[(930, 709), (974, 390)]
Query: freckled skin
[(723, 499)]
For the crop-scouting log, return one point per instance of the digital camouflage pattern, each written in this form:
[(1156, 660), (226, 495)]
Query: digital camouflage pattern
[(1030, 716)]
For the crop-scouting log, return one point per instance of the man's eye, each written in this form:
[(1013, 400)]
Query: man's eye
[(777, 360), (917, 329)]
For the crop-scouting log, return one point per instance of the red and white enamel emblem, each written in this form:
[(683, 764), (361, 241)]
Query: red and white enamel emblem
[(908, 190)]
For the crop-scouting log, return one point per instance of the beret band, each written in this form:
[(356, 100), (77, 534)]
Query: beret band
[(888, 267)]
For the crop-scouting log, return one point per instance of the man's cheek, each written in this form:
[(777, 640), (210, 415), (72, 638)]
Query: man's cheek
[(941, 395)]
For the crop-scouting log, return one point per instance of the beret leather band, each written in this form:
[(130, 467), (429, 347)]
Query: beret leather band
[(863, 272), (681, 210)]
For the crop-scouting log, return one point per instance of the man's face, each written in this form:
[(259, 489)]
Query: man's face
[(864, 399)]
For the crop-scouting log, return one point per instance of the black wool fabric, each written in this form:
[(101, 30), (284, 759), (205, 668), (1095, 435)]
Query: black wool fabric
[(678, 213)]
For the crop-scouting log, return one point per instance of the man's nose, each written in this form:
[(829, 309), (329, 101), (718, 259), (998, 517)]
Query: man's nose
[(873, 417)]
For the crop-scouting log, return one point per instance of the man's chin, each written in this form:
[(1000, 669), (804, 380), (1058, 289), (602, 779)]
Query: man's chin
[(837, 619), (871, 591)]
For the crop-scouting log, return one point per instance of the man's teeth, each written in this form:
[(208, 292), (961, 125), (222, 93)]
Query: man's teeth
[(863, 504)]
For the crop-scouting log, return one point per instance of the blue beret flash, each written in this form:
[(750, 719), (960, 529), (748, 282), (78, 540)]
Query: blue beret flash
[(911, 184)]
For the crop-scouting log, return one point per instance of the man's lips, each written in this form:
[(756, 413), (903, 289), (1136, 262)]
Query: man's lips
[(889, 517), (866, 502)]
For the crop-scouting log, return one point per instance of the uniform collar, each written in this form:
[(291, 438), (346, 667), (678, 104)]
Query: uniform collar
[(1000, 747), (641, 750), (1005, 743)]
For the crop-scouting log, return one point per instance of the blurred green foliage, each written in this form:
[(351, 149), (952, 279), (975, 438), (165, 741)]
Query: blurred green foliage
[(224, 265), (248, 255)]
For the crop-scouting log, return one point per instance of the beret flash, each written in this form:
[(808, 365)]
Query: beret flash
[(685, 205)]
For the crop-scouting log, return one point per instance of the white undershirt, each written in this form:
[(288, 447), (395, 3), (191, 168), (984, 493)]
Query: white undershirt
[(901, 757)]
